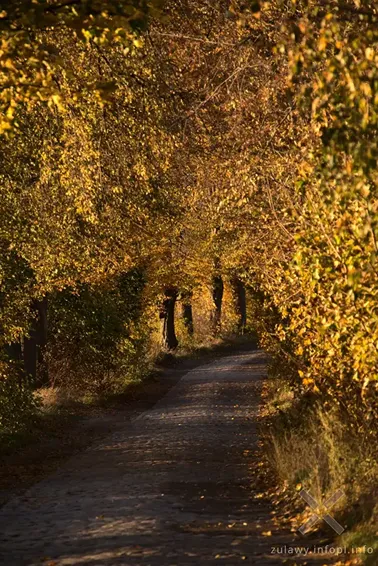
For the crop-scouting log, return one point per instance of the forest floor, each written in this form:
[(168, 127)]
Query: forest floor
[(177, 482)]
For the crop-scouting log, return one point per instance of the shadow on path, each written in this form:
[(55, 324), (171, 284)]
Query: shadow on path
[(171, 487)]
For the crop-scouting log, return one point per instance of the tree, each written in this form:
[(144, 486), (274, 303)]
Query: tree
[(167, 316)]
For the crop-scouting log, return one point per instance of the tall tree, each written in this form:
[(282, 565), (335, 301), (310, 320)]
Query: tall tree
[(167, 316)]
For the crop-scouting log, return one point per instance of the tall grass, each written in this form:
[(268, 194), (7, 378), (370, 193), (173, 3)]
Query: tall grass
[(314, 446)]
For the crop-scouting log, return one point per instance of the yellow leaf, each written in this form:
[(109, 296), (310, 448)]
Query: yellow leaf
[(322, 43)]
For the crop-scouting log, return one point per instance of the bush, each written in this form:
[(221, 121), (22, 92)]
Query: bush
[(98, 335), (18, 403)]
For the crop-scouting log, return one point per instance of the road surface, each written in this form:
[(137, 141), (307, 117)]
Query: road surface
[(174, 487)]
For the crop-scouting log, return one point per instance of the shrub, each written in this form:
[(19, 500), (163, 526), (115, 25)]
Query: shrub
[(98, 335), (18, 404)]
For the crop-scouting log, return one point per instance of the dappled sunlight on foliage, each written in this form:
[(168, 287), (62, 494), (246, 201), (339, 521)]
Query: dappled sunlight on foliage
[(191, 162)]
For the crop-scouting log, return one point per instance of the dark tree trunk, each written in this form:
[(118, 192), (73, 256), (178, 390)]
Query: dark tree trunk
[(217, 293), (239, 294), (167, 316), (35, 345), (187, 312)]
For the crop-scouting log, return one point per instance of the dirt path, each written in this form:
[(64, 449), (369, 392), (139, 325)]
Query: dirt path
[(171, 487)]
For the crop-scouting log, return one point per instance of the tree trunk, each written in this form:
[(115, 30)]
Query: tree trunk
[(239, 293), (217, 293), (35, 344), (187, 312), (167, 316)]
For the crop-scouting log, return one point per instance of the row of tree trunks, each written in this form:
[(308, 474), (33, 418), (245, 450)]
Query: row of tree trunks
[(239, 296), (167, 312), (31, 352)]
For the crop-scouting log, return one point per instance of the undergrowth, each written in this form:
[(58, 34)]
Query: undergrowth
[(313, 445)]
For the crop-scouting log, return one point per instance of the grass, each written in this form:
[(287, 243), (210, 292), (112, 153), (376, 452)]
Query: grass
[(312, 446)]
